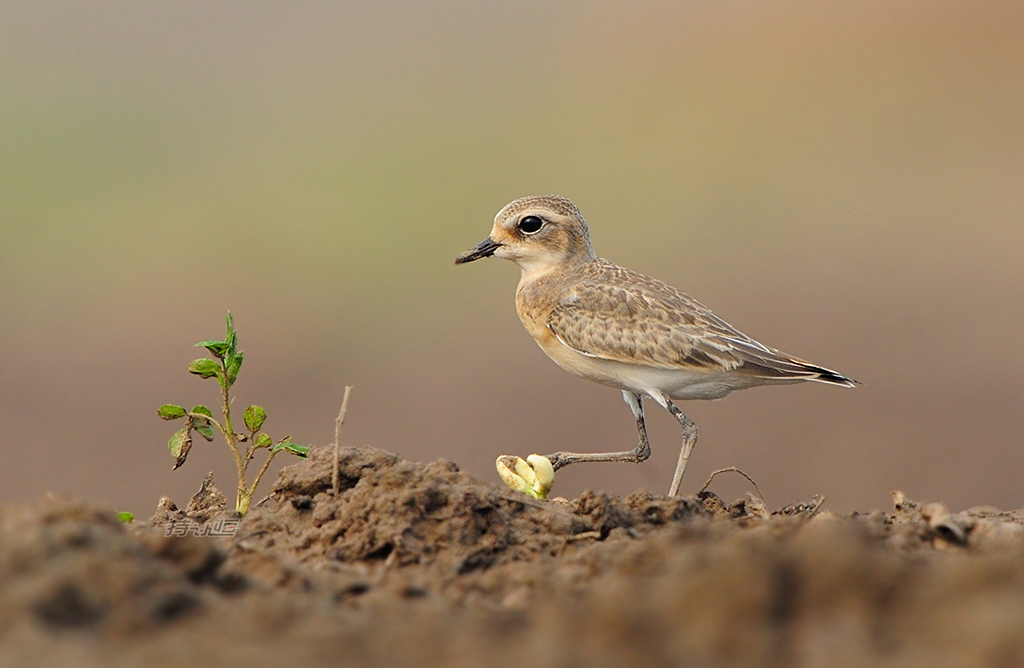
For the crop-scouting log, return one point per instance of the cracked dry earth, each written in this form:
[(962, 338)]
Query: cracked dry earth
[(414, 565)]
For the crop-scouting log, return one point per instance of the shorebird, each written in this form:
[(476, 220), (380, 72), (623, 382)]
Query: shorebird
[(620, 328)]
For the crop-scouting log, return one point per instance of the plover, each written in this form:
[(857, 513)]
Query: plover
[(620, 328)]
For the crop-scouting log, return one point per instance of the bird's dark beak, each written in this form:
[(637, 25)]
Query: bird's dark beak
[(485, 248)]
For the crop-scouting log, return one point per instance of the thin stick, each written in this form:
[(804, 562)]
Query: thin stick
[(337, 438), (731, 469)]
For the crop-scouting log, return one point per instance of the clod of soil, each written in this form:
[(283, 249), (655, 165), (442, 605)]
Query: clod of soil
[(414, 564)]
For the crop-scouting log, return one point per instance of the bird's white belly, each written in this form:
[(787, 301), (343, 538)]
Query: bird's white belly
[(677, 383)]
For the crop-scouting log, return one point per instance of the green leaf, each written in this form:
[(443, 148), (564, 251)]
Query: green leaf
[(202, 425), (254, 417), (293, 448), (170, 412), (234, 363), (125, 516), (264, 440), (179, 445), (218, 348), (204, 368)]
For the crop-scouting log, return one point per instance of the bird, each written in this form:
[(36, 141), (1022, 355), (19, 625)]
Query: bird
[(620, 328)]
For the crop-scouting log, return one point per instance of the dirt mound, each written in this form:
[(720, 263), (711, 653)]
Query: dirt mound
[(416, 564)]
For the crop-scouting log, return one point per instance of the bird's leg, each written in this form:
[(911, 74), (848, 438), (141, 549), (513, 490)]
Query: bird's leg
[(643, 448), (638, 454), (689, 440)]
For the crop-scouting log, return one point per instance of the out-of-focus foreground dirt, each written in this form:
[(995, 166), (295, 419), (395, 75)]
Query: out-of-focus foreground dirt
[(417, 564)]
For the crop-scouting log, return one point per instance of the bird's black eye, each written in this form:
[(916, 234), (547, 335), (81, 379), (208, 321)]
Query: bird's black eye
[(530, 225)]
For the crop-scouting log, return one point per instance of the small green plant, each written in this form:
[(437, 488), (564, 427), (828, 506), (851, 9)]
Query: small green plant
[(225, 367)]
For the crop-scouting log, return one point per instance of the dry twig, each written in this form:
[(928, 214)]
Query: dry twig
[(731, 469), (337, 438)]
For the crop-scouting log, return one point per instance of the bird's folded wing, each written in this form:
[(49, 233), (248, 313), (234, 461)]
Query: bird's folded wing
[(643, 321)]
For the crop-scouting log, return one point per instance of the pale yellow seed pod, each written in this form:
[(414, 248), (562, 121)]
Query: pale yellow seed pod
[(544, 474), (507, 465), (533, 476)]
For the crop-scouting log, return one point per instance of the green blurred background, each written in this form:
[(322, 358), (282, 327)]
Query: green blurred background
[(842, 180)]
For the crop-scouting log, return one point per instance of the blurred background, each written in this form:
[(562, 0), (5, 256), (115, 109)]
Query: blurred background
[(844, 181)]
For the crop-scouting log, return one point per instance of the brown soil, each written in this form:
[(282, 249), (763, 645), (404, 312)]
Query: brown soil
[(422, 565)]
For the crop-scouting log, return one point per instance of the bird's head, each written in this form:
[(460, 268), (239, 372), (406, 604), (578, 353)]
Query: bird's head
[(538, 233)]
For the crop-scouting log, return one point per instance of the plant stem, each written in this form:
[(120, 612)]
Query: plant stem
[(208, 419), (251, 450), (242, 499), (252, 490)]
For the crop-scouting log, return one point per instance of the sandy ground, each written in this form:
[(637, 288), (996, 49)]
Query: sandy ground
[(415, 564)]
